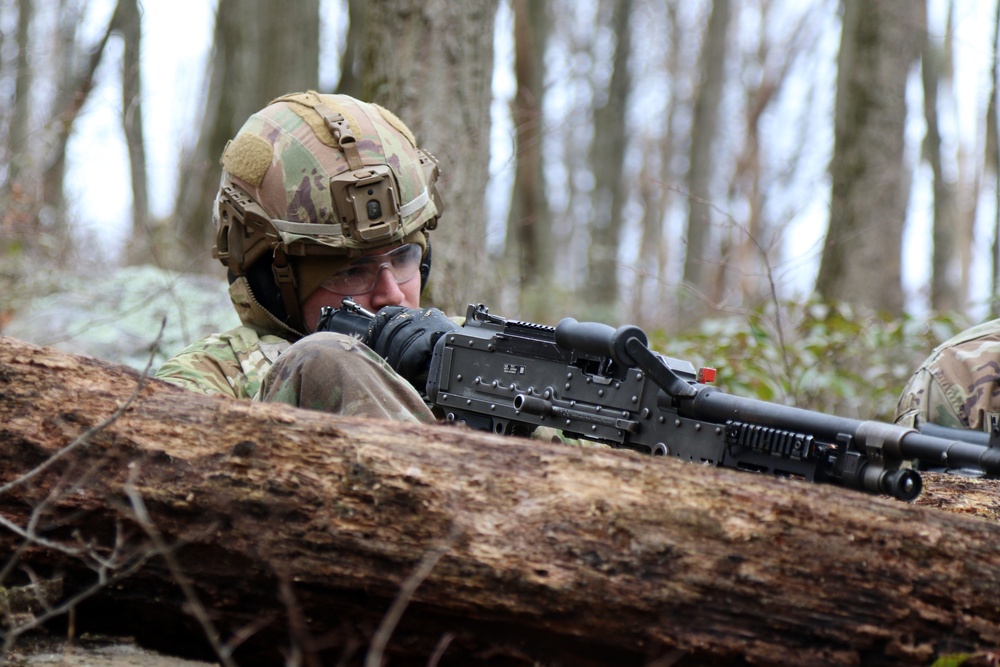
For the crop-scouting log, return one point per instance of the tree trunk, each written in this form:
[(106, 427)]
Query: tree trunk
[(73, 85), (351, 58), (294, 531), (128, 21), (289, 61), (754, 235), (432, 64), (653, 298), (868, 205), (991, 163), (529, 225), (261, 50), (702, 162), (607, 160), (946, 270), (18, 154)]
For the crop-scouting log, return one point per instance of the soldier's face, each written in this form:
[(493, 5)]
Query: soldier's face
[(386, 292)]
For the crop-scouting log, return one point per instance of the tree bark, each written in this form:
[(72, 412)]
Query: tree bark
[(128, 22), (870, 184), (607, 161), (260, 50), (432, 64), (529, 226), (295, 531), (702, 159)]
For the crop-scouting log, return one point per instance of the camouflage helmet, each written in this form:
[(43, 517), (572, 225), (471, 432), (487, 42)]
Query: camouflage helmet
[(318, 176)]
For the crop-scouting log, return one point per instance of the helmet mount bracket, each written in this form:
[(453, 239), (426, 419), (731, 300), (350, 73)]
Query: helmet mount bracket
[(367, 203)]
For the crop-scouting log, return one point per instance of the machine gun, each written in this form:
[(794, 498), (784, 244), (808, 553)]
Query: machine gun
[(595, 382)]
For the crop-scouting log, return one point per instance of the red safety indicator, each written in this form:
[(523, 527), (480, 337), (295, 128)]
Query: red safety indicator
[(706, 375)]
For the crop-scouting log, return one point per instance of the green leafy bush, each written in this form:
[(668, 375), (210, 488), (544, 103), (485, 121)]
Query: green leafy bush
[(825, 357)]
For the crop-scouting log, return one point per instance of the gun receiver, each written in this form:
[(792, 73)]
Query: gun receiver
[(594, 382)]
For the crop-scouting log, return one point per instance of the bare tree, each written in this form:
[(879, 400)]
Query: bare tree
[(991, 161), (654, 293), (350, 60), (432, 63), (18, 127), (128, 22), (41, 124), (607, 161), (529, 226), (260, 50), (870, 186), (946, 271), (701, 165)]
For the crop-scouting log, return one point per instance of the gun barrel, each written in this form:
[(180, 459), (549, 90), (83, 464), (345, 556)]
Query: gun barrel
[(901, 442), (949, 433), (950, 453), (714, 405)]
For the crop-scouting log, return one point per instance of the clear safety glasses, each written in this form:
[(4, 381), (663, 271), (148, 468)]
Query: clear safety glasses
[(361, 275)]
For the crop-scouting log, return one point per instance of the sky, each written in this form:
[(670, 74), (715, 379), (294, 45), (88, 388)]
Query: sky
[(177, 36)]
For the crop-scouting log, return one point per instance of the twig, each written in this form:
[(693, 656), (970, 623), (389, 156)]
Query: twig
[(109, 569), (407, 590), (103, 580), (302, 644), (197, 609), (439, 650)]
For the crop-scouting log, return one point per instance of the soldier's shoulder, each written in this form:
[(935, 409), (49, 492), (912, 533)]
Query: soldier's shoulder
[(229, 363), (984, 335), (973, 352)]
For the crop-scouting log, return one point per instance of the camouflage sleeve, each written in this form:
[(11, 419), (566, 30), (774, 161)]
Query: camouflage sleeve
[(229, 364), (197, 369), (958, 385), (923, 400), (336, 373)]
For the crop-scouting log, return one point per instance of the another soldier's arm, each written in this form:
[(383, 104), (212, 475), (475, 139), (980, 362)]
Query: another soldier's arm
[(959, 384), (923, 400)]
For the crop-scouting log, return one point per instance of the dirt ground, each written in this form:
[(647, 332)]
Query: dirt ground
[(36, 651)]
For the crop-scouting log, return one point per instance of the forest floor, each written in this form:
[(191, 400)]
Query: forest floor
[(88, 651)]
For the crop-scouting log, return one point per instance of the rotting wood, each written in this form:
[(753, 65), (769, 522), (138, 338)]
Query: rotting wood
[(553, 555)]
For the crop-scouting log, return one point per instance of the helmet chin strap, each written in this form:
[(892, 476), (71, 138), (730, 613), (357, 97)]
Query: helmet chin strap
[(285, 279), (425, 266)]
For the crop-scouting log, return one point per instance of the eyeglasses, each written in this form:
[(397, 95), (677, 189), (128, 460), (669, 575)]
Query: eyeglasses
[(361, 275)]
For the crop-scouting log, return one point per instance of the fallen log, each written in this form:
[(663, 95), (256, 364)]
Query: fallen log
[(199, 524)]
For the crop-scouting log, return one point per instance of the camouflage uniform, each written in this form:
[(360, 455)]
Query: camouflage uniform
[(323, 371), (959, 383)]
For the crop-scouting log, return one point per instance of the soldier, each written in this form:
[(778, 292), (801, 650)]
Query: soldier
[(959, 383), (322, 197)]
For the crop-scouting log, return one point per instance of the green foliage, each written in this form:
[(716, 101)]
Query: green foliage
[(824, 357), (953, 660)]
